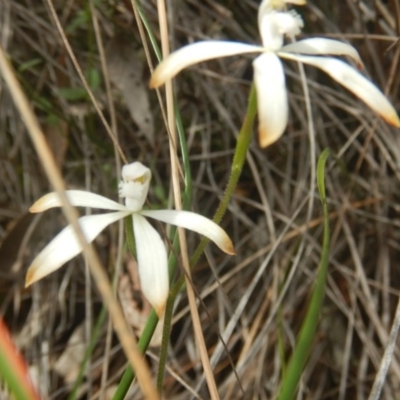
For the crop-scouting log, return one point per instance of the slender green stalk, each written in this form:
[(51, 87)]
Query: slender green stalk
[(165, 340), (280, 319), (130, 238), (153, 40), (306, 336), (143, 344), (243, 143)]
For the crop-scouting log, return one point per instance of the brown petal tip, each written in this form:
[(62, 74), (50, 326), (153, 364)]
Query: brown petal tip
[(229, 249), (155, 80), (37, 206), (159, 309), (152, 83), (29, 278), (393, 120), (33, 209), (265, 139)]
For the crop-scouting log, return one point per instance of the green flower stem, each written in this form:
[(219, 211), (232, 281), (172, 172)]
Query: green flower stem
[(306, 336), (243, 143), (165, 340), (130, 238)]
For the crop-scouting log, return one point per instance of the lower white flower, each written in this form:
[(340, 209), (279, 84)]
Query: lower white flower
[(151, 251)]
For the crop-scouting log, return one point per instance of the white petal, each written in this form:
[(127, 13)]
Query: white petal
[(271, 35), (196, 223), (355, 82), (322, 46), (152, 263), (273, 24), (65, 245), (272, 101), (195, 53), (78, 198)]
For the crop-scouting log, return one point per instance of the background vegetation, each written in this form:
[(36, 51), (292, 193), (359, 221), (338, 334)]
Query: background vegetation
[(252, 305)]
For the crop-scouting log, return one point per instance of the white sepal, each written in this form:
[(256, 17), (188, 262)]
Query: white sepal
[(78, 198), (152, 263), (322, 46), (272, 100), (196, 223), (195, 53), (65, 245), (352, 80)]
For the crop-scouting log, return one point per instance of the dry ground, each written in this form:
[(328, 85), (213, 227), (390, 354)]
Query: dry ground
[(256, 300)]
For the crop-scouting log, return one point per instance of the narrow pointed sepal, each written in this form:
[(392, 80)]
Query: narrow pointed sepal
[(78, 198), (269, 79), (196, 223), (152, 263), (195, 53), (356, 83), (65, 245), (322, 47)]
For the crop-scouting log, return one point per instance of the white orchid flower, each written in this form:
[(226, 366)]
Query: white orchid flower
[(151, 251), (274, 23)]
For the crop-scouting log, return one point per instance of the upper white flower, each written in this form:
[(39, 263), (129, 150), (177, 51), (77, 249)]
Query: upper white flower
[(151, 251), (274, 23)]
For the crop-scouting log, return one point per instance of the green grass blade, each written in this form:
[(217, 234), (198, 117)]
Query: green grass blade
[(307, 332)]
